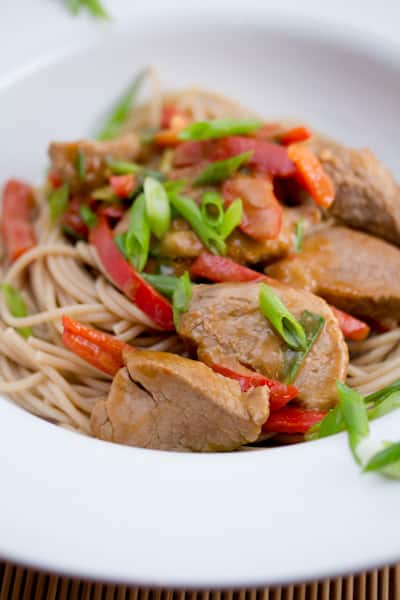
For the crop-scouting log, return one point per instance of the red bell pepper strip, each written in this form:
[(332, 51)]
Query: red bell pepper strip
[(220, 269), (352, 328), (297, 134), (266, 158), (279, 393), (95, 347), (124, 277), (123, 185), (17, 230), (262, 213), (54, 179), (292, 419), (311, 175)]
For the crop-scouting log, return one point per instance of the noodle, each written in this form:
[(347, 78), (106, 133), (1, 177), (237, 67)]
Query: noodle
[(58, 279)]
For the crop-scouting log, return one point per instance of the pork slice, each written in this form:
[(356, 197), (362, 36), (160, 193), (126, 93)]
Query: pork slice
[(167, 402), (225, 320), (367, 195), (64, 156), (350, 269), (182, 242)]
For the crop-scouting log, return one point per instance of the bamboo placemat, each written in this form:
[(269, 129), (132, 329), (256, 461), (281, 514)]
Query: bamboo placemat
[(18, 583)]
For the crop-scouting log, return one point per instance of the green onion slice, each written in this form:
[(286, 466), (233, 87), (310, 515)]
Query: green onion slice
[(105, 193), (181, 297), (284, 323), (123, 167), (58, 201), (232, 218), (218, 128), (87, 216), (189, 210), (122, 109), (387, 461), (81, 165), (16, 306), (165, 284), (355, 416), (74, 6), (299, 235), (312, 325), (212, 209), (222, 169), (96, 9), (157, 207), (137, 241)]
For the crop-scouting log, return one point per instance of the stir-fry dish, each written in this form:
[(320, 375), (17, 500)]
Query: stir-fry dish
[(195, 278)]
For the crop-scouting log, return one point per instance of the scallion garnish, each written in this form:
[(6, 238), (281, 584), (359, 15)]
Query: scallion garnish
[(232, 218), (378, 404), (166, 161), (355, 416), (87, 216), (221, 169), (58, 201), (299, 235), (120, 112), (157, 207), (137, 239), (105, 193), (165, 284), (181, 297), (387, 461), (123, 167), (284, 323), (16, 306), (189, 210), (81, 165), (218, 128), (212, 209), (312, 325)]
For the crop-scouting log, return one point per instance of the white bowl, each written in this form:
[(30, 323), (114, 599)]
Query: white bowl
[(80, 506)]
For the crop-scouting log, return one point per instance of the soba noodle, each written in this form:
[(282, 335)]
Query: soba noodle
[(56, 279)]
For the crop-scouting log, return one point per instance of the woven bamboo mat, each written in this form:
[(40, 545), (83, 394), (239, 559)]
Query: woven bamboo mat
[(18, 583)]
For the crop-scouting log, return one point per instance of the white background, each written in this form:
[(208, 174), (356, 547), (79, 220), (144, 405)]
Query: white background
[(33, 29)]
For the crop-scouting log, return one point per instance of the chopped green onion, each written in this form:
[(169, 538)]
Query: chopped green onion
[(166, 161), (312, 325), (121, 111), (181, 297), (355, 416), (378, 404), (58, 201), (299, 235), (123, 167), (281, 319), (175, 186), (87, 216), (232, 218), (16, 306), (165, 284), (218, 128), (157, 207), (81, 165), (212, 209), (96, 9), (189, 210), (74, 6), (137, 239), (222, 169), (106, 194), (388, 457)]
